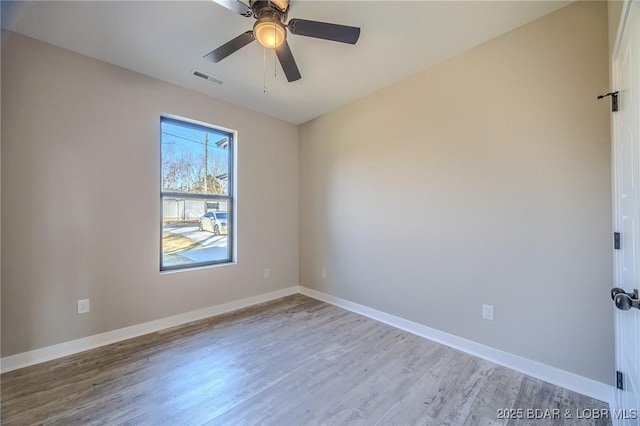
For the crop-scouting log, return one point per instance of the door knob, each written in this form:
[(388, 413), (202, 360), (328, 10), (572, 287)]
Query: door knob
[(623, 300), (617, 290)]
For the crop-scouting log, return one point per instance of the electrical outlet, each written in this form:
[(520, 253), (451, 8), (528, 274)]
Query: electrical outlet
[(487, 312), (324, 272), (267, 272), (83, 306)]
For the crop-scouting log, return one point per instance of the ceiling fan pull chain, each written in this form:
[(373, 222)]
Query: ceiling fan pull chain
[(275, 59), (264, 70)]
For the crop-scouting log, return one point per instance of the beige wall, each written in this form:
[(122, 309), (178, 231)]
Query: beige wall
[(80, 200), (484, 179)]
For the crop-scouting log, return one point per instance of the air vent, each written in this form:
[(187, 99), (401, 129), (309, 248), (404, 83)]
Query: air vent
[(206, 77)]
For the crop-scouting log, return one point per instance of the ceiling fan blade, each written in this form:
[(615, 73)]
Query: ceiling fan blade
[(324, 30), (235, 6), (288, 63), (229, 47)]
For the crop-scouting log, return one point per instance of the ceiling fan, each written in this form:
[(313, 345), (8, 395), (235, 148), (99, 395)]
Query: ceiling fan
[(271, 31)]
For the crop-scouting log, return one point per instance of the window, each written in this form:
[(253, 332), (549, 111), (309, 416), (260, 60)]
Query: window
[(196, 194)]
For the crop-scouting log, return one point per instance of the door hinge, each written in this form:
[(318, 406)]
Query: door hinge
[(616, 241), (619, 380), (614, 100)]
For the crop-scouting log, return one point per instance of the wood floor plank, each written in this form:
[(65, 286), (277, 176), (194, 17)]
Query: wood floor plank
[(294, 361)]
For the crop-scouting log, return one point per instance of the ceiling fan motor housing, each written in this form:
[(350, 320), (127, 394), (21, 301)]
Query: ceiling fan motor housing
[(263, 8)]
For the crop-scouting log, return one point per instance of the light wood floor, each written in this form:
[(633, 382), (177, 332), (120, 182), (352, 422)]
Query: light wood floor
[(295, 361)]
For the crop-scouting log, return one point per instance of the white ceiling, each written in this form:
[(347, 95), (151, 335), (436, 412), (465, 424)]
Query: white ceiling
[(168, 39)]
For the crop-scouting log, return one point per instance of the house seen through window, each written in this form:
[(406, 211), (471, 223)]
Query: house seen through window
[(197, 195)]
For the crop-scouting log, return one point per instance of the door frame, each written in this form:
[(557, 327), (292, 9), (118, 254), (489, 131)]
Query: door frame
[(617, 256)]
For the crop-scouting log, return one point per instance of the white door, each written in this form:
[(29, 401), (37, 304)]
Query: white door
[(626, 163)]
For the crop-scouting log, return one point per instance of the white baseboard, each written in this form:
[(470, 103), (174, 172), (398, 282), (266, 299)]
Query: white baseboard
[(555, 376), (49, 353), (614, 407)]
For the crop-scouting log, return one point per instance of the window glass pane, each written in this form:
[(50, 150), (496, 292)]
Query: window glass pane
[(196, 193), (193, 234), (195, 159)]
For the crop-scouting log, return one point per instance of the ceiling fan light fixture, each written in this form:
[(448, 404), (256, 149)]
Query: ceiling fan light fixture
[(269, 32)]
